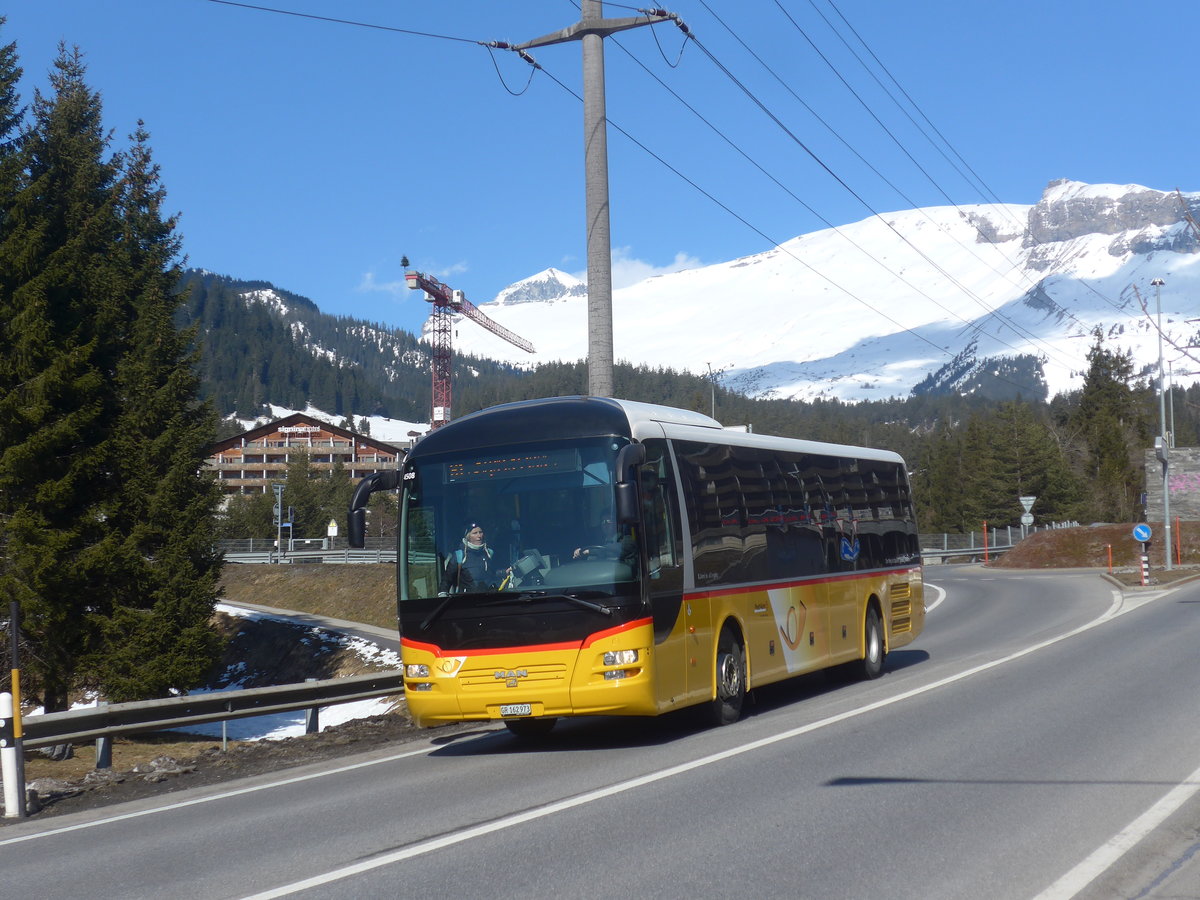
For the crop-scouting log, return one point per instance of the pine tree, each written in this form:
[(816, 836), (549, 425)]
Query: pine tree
[(248, 516), (304, 494), (106, 522), (938, 482), (158, 635), (985, 481), (1113, 429), (57, 372), (11, 114), (1035, 465)]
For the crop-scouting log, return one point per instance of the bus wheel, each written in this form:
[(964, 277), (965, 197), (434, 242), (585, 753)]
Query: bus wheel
[(726, 707), (529, 729), (872, 664)]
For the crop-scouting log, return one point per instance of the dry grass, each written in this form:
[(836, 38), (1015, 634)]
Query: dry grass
[(126, 753), (356, 593)]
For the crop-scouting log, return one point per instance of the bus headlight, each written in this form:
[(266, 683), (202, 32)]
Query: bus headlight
[(416, 670), (620, 657)]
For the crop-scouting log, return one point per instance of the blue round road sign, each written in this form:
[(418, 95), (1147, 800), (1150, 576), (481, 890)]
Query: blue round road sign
[(1141, 532)]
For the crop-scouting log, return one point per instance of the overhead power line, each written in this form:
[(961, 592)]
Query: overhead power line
[(374, 25), (775, 242)]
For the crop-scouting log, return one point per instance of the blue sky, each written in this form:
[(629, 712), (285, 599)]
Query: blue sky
[(313, 154)]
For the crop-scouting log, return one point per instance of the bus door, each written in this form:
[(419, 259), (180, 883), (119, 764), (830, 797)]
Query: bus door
[(664, 574)]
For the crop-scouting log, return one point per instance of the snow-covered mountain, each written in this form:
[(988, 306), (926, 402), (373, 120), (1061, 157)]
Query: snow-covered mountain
[(920, 297)]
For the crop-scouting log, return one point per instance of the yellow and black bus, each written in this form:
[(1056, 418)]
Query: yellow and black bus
[(583, 556)]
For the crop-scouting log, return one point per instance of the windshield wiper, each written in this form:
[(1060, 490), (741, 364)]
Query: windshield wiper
[(524, 597), (437, 611), (530, 596)]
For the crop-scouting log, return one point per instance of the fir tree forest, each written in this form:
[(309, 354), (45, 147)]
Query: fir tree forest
[(121, 369)]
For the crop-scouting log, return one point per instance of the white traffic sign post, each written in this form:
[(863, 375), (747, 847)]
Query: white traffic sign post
[(1142, 534), (1027, 516), (278, 488), (10, 763)]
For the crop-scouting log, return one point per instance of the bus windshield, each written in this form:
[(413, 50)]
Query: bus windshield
[(535, 517)]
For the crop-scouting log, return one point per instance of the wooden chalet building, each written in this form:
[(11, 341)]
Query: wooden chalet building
[(249, 462)]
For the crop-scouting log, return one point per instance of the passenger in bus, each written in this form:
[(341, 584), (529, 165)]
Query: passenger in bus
[(471, 567), (614, 546)]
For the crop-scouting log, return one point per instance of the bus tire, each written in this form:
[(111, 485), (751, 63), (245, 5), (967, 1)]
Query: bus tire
[(530, 729), (726, 707), (872, 662)]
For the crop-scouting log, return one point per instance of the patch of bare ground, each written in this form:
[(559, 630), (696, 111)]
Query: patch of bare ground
[(355, 593), (149, 765)]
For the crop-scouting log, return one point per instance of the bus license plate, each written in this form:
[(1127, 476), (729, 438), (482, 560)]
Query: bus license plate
[(515, 709)]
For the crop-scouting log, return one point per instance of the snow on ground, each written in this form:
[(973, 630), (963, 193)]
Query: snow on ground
[(284, 725), (392, 431)]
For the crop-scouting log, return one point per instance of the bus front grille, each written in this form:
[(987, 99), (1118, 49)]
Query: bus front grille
[(547, 674)]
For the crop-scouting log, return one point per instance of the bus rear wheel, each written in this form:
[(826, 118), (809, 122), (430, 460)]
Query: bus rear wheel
[(872, 663), (530, 729), (726, 707)]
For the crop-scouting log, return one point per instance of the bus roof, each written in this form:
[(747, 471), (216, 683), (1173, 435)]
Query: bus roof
[(550, 417)]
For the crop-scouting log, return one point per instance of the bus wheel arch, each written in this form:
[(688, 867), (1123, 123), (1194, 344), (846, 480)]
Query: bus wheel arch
[(730, 670)]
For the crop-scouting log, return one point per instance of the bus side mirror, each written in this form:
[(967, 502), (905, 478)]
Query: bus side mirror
[(356, 516), (627, 503), (356, 528), (630, 457)]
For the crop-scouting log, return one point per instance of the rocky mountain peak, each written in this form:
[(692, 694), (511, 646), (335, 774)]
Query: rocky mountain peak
[(1070, 209), (549, 284)]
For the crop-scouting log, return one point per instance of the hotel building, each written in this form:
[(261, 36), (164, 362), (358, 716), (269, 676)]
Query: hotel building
[(248, 463)]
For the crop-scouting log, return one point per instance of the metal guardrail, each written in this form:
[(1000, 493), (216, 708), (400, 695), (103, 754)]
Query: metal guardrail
[(197, 709), (933, 556), (311, 556)]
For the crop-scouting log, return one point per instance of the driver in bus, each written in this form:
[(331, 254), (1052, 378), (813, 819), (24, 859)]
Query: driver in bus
[(621, 547), (470, 567)]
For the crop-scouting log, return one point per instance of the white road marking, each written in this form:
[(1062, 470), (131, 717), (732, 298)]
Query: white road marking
[(1066, 887), (941, 595), (221, 796), (466, 834), (1104, 856)]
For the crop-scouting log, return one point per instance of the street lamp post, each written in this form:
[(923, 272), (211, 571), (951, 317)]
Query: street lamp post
[(1162, 428), (712, 388), (713, 375)]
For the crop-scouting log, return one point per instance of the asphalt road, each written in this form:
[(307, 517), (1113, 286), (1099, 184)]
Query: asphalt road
[(1040, 740)]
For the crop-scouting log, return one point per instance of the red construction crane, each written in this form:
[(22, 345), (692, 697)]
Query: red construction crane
[(446, 303)]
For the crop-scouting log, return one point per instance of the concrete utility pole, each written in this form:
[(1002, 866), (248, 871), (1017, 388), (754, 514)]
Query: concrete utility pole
[(590, 31), (1165, 443)]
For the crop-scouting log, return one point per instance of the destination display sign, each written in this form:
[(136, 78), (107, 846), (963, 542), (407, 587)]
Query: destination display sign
[(519, 465)]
